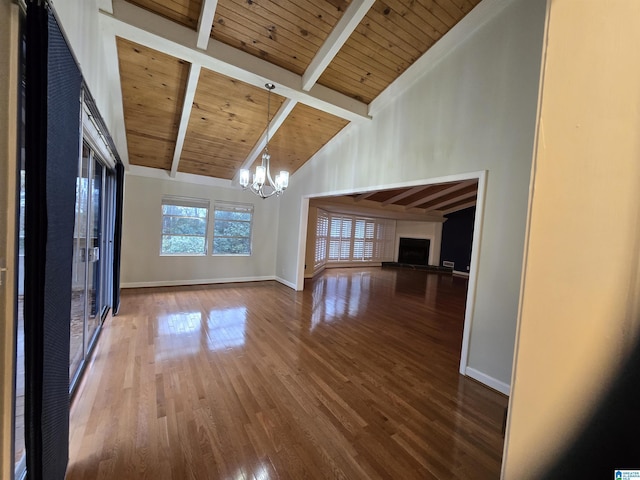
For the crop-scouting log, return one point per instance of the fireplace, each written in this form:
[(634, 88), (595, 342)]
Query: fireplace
[(414, 251)]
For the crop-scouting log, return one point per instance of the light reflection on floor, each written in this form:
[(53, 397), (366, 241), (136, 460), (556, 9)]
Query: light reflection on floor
[(337, 296), (173, 335), (260, 473), (179, 323), (226, 328)]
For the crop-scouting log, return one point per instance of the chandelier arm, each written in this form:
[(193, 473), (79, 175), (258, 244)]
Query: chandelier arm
[(271, 182), (259, 191)]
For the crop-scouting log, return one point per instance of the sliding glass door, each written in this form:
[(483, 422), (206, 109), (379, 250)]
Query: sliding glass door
[(94, 251), (78, 287), (92, 238)]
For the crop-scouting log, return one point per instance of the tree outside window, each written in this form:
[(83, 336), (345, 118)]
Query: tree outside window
[(232, 224)]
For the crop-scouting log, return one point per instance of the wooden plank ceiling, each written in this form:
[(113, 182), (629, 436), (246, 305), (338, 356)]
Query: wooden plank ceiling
[(236, 112), (153, 86), (406, 203), (354, 48)]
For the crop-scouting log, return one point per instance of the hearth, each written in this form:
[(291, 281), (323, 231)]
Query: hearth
[(413, 251)]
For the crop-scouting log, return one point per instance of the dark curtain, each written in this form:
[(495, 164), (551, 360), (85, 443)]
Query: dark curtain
[(117, 237), (52, 127)]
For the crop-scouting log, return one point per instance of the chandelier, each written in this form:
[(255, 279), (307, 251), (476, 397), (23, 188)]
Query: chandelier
[(263, 185)]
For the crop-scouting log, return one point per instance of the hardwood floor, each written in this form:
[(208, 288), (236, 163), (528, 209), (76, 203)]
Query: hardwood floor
[(354, 378)]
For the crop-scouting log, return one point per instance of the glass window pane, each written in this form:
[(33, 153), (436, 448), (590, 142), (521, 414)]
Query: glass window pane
[(345, 250), (346, 228), (227, 228), (358, 249), (184, 211), (232, 229), (177, 244), (334, 249), (370, 229), (230, 215), (184, 225), (335, 226), (231, 246)]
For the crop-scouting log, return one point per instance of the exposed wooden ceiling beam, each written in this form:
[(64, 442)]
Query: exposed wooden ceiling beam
[(362, 196), (351, 18), (450, 201), (205, 22), (190, 92), (344, 205), (277, 120), (459, 207), (146, 28), (441, 193), (408, 193)]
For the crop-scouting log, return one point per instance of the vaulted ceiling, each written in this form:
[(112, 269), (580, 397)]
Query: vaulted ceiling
[(192, 76)]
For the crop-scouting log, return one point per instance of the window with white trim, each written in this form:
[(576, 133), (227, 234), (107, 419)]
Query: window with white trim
[(340, 237), (184, 226), (232, 226), (363, 239), (322, 234), (354, 239)]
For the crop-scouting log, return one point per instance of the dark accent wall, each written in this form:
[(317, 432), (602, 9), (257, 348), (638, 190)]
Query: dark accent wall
[(457, 238)]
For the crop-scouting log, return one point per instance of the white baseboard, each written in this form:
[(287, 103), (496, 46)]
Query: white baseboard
[(352, 264), (488, 381), (204, 281), (461, 274), (286, 282), (315, 272), (319, 270)]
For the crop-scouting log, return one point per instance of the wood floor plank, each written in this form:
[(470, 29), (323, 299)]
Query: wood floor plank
[(354, 378)]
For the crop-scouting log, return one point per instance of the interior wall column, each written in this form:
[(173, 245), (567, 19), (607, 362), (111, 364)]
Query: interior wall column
[(579, 306)]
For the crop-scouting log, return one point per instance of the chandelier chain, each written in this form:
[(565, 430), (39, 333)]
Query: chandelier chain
[(263, 185), (269, 87)]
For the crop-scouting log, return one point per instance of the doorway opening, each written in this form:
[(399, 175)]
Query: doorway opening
[(411, 206)]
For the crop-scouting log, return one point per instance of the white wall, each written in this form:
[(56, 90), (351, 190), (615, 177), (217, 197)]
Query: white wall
[(475, 110), (430, 230), (142, 264), (80, 22), (580, 311)]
